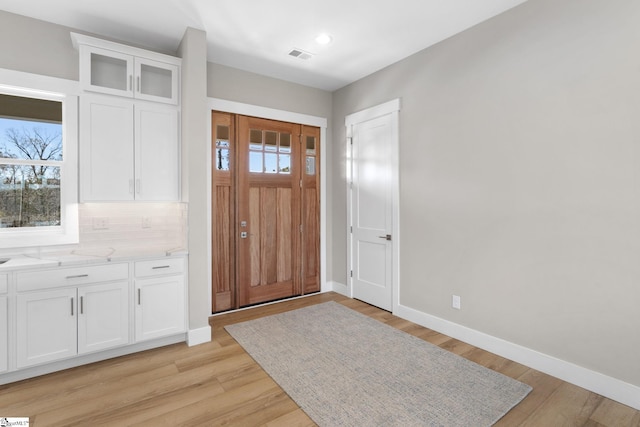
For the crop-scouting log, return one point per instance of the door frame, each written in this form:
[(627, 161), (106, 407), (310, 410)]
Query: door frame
[(283, 116), (388, 108)]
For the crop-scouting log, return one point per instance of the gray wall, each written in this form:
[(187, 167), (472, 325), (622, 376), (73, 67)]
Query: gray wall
[(193, 50), (520, 179), (250, 88), (37, 47)]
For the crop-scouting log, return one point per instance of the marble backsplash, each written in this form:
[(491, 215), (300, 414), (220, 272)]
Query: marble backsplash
[(125, 227)]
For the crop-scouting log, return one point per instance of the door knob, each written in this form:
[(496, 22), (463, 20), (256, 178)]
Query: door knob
[(387, 237)]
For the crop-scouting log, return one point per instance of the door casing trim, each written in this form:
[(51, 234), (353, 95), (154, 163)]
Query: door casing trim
[(284, 116)]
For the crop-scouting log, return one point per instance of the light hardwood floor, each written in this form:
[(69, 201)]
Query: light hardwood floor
[(219, 384)]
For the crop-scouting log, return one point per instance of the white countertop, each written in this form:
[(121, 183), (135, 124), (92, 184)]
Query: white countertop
[(83, 256)]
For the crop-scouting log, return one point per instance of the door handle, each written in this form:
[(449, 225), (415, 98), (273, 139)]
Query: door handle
[(387, 237)]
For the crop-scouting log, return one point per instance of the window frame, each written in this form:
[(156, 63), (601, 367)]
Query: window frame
[(18, 83)]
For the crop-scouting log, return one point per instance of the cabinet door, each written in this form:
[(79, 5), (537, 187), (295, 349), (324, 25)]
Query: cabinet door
[(106, 71), (106, 149), (4, 329), (47, 326), (159, 307), (157, 152), (103, 316), (156, 81)]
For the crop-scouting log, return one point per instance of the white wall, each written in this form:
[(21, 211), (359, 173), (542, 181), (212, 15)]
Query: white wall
[(520, 179)]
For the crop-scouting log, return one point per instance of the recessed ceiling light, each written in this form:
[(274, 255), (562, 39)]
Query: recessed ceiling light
[(324, 39)]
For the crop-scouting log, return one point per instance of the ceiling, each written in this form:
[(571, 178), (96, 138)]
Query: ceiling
[(257, 35)]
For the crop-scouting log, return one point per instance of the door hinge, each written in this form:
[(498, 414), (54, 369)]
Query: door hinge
[(301, 228), (300, 183)]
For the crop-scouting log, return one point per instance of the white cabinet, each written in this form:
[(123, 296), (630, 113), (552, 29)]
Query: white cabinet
[(117, 73), (157, 153), (57, 320), (128, 150), (129, 137), (46, 326), (53, 318), (160, 298), (103, 316), (4, 323)]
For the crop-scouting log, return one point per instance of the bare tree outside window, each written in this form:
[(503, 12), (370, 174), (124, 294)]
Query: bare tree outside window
[(30, 152)]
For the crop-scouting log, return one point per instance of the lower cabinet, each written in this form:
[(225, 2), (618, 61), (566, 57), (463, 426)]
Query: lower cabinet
[(103, 319), (4, 324), (47, 326), (49, 316), (160, 302), (60, 323)]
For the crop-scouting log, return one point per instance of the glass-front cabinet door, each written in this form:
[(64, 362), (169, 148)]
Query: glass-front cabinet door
[(120, 74), (156, 81), (106, 71)]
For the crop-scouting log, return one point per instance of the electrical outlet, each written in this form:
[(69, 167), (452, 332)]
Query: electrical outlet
[(455, 302), (146, 222), (101, 223)]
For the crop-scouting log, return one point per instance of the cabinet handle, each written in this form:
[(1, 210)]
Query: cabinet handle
[(77, 276), (160, 266), (130, 186), (138, 83), (138, 186), (72, 306), (139, 296), (81, 305)]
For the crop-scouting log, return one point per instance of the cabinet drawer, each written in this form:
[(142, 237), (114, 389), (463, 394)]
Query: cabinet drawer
[(4, 283), (159, 267), (34, 280)]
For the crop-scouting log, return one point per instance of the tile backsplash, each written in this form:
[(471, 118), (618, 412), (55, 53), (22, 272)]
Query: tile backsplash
[(125, 227), (132, 225)]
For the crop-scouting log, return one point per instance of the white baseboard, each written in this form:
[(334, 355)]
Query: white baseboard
[(340, 288), (47, 368), (596, 382), (199, 336)]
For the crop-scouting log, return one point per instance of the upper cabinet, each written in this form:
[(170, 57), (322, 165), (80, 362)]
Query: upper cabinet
[(129, 150), (129, 123), (119, 70)]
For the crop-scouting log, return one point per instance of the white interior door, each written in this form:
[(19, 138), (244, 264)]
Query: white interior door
[(373, 180)]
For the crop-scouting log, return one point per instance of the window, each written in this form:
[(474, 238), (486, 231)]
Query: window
[(269, 152), (30, 161), (38, 162)]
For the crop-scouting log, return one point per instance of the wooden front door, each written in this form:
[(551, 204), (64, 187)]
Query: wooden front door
[(266, 233)]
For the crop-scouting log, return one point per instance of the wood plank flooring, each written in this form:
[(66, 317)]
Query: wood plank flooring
[(217, 383)]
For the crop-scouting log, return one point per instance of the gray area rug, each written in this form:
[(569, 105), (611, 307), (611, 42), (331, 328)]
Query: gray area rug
[(346, 369)]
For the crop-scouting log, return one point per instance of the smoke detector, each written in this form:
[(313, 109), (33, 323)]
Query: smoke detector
[(300, 54)]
